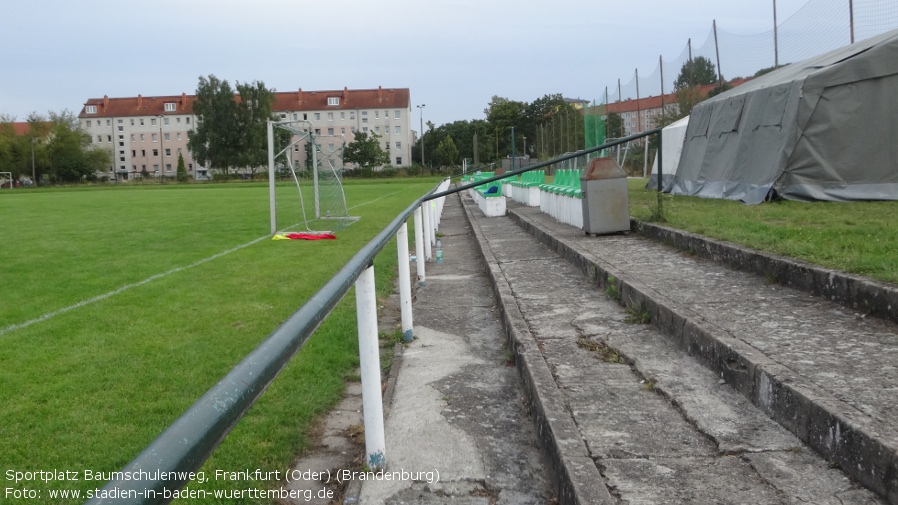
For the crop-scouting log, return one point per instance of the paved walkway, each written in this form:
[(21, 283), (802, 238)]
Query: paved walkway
[(457, 424), (680, 410)]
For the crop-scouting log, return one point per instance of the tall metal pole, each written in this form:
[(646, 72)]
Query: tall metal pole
[(776, 47), (512, 148), (161, 161), (851, 18), (421, 112), (638, 108), (272, 208), (717, 49)]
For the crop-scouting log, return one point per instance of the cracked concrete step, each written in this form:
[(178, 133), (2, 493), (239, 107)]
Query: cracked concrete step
[(658, 425), (822, 370)]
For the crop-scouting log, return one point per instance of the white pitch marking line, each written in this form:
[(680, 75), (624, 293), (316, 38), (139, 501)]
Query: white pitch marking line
[(83, 303)]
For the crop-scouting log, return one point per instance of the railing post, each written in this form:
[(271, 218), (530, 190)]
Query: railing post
[(428, 230), (419, 245), (405, 287), (434, 222), (369, 357)]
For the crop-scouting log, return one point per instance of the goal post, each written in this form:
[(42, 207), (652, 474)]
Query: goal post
[(323, 160), (8, 176)]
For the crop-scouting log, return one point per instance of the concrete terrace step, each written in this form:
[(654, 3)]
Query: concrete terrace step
[(683, 410)]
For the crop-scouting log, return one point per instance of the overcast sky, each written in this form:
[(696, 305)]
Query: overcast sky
[(453, 55)]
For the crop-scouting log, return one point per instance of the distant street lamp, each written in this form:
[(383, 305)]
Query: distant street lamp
[(421, 110)]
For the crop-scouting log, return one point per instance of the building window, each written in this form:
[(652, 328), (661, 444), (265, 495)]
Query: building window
[(295, 116), (167, 137), (155, 138), (179, 135), (187, 120), (352, 115), (283, 115), (317, 116), (88, 123), (109, 138), (330, 116), (132, 137), (330, 131), (397, 114), (168, 151), (141, 121), (91, 109), (398, 129), (399, 161), (317, 131), (170, 107), (342, 115), (99, 139), (121, 128), (168, 167), (377, 114), (156, 154), (143, 137), (333, 100), (377, 130), (330, 148), (343, 131), (165, 121), (398, 145), (152, 121)]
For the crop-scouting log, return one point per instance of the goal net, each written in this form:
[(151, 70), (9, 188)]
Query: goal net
[(311, 199)]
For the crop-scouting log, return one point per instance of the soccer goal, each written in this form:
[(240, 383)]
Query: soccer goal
[(6, 176), (314, 163)]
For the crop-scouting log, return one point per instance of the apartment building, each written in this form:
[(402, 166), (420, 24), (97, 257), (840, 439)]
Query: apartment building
[(146, 134)]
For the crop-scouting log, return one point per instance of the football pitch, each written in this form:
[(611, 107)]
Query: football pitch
[(119, 307)]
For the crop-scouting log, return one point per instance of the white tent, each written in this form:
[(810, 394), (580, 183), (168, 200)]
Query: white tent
[(672, 137)]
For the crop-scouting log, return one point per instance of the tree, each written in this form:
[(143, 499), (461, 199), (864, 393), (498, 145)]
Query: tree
[(182, 170), (614, 126), (696, 72), (365, 151), (253, 113), (447, 152), (69, 151), (212, 140), (502, 114), (230, 132)]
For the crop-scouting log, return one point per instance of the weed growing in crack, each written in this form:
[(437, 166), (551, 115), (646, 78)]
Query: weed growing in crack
[(611, 290), (649, 384), (638, 315), (606, 353)]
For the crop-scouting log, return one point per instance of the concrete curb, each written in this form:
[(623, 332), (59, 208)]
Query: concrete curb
[(811, 414), (853, 291), (574, 474)]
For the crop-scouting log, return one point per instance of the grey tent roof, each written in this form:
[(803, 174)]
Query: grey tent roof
[(820, 129)]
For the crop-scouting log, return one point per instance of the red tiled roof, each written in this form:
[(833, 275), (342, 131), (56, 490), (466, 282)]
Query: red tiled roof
[(654, 102), (24, 128), (387, 98)]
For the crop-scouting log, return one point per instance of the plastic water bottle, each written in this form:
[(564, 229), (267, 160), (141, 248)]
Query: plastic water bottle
[(439, 251)]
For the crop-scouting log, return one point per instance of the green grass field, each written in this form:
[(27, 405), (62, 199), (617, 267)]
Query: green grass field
[(856, 237), (89, 387)]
